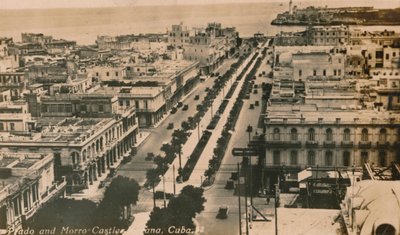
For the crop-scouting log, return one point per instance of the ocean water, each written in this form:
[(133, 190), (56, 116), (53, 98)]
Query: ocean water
[(84, 24)]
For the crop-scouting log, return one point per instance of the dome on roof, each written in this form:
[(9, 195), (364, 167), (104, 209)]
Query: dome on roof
[(376, 206)]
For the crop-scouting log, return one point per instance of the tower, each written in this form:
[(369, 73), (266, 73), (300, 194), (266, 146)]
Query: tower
[(290, 7)]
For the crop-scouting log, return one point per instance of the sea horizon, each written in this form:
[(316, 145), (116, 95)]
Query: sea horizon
[(85, 24)]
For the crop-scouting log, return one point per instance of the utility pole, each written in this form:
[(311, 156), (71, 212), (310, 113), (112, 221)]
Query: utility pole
[(245, 200), (238, 191), (165, 202), (276, 209), (154, 197), (250, 130), (174, 179)]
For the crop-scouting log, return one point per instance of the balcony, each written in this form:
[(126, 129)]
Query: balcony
[(382, 144), (346, 144), (329, 144), (364, 144), (311, 144), (283, 144)]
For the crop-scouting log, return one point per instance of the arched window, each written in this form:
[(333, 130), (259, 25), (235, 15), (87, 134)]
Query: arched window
[(382, 158), (277, 134), (311, 158), (364, 134), (328, 158), (346, 135), (277, 157), (346, 158), (329, 134), (311, 134), (382, 135), (293, 158), (293, 134)]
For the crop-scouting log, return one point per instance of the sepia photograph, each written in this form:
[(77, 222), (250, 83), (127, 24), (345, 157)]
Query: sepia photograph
[(199, 117)]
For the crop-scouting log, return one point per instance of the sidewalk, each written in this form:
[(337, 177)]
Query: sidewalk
[(139, 223), (198, 172)]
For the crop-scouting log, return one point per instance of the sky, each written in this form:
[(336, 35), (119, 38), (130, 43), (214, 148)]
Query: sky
[(28, 4)]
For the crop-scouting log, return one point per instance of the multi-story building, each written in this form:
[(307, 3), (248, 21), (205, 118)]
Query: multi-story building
[(310, 63), (381, 38), (211, 46), (301, 136), (149, 102), (15, 82), (107, 73), (318, 117), (328, 35), (79, 85), (387, 88), (178, 36), (9, 60), (39, 38), (28, 182), (85, 146), (141, 42)]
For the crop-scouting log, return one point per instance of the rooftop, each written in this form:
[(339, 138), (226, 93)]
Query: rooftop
[(59, 130)]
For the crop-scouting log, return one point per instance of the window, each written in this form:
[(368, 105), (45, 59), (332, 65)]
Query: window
[(364, 135), (346, 135), (293, 158), (394, 54), (121, 103), (116, 74), (334, 72), (382, 158), (382, 135), (277, 157), (12, 126), (1, 126), (26, 200), (311, 134), (34, 192), (364, 157), (328, 158), (324, 72), (108, 74), (387, 56), (346, 158), (17, 207), (300, 73), (311, 158), (339, 61), (329, 134), (137, 104), (128, 103), (277, 134), (340, 72), (101, 108), (314, 72), (293, 134)]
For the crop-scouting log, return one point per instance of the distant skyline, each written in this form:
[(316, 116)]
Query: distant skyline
[(43, 4)]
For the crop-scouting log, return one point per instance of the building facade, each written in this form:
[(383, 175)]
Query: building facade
[(27, 184)]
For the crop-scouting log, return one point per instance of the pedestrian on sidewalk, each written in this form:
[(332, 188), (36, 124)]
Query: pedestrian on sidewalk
[(268, 199)]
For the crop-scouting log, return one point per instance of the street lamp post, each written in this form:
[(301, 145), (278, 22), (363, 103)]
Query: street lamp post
[(250, 130)]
